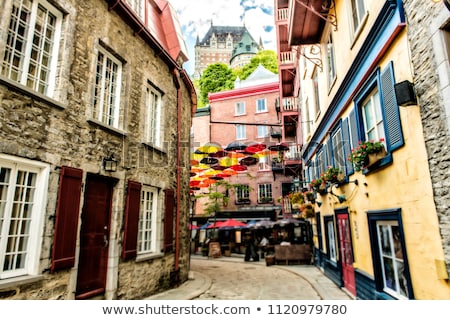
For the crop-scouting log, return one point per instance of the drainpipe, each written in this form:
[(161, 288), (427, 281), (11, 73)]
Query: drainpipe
[(176, 77)]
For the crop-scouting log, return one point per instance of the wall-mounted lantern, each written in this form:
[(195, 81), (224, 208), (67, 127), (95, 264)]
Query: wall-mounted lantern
[(110, 164)]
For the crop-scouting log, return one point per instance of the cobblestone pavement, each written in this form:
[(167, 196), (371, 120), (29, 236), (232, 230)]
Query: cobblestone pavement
[(234, 279)]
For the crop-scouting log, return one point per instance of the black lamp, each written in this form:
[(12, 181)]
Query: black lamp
[(110, 164)]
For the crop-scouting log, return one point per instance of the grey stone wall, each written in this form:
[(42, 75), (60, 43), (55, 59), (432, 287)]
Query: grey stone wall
[(60, 133), (428, 56)]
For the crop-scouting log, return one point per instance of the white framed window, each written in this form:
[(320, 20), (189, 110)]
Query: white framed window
[(263, 131), (373, 117), (148, 239), (138, 7), (239, 108), (32, 44), (261, 105), (358, 13), (265, 192), (392, 263), (106, 102), (242, 193), (153, 124), (23, 186), (331, 60), (315, 80), (263, 164), (331, 240), (240, 132)]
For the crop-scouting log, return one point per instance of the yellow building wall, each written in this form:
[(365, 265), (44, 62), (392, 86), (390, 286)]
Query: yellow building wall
[(405, 184)]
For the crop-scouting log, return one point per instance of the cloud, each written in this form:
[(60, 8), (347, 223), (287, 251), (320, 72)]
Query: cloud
[(195, 18)]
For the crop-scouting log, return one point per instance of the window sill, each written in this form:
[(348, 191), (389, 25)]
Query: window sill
[(148, 256), (153, 147), (107, 128), (18, 281), (15, 86)]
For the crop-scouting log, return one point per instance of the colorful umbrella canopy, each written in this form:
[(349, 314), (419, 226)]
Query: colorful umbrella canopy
[(239, 167), (209, 160), (248, 161), (231, 224)]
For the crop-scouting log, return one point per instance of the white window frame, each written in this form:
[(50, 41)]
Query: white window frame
[(8, 189), (264, 191), (331, 241), (263, 131), (358, 13), (107, 90), (263, 164), (149, 240), (138, 7), (154, 130), (242, 192), (239, 108), (372, 106), (32, 57), (393, 252), (241, 132), (331, 60), (261, 105)]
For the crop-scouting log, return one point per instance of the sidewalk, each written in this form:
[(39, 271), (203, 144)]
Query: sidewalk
[(199, 283)]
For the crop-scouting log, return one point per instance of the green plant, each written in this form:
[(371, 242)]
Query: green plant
[(333, 175), (297, 197), (318, 184), (359, 154)]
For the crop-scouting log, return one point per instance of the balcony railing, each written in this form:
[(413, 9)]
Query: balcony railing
[(289, 104), (282, 14), (287, 57)]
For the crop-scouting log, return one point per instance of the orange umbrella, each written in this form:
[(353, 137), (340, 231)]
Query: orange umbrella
[(229, 171)]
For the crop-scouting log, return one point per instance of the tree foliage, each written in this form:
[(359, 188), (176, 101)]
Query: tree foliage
[(267, 58), (216, 77)]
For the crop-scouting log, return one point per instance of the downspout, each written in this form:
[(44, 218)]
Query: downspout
[(176, 77)]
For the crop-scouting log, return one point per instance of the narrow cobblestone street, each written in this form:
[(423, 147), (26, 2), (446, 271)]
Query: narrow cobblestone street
[(234, 279)]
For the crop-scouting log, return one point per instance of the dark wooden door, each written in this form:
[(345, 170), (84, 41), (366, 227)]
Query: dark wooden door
[(346, 253), (94, 237)]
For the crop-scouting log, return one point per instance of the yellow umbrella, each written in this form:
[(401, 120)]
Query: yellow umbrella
[(209, 148), (228, 162), (197, 156), (209, 173)]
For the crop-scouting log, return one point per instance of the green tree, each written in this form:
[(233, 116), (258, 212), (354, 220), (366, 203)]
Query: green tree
[(216, 77), (267, 58)]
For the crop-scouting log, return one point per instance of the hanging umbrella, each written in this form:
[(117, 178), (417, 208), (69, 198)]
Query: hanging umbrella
[(218, 154), (236, 155), (279, 147), (228, 161), (229, 171), (236, 145), (255, 147), (208, 148), (239, 167), (248, 161), (209, 160)]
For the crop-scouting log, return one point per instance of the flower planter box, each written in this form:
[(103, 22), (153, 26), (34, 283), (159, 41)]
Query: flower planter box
[(373, 158)]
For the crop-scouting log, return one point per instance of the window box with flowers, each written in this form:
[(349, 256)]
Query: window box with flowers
[(334, 175), (297, 199), (319, 185), (367, 153)]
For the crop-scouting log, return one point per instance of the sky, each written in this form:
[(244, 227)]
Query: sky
[(195, 18)]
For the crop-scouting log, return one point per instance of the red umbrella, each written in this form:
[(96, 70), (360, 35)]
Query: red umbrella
[(239, 167), (231, 223)]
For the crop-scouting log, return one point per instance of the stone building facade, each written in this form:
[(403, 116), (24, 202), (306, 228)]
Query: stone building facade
[(429, 35), (85, 96)]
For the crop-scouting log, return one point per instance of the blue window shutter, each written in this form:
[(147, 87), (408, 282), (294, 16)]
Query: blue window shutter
[(394, 137), (353, 124), (330, 154), (347, 147)]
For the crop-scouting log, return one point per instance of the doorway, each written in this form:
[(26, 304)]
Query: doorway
[(94, 236), (346, 252)]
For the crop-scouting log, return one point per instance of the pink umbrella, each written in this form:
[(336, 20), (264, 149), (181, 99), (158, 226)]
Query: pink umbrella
[(232, 224)]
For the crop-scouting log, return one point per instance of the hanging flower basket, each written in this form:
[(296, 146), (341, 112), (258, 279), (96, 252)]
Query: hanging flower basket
[(334, 175), (360, 155)]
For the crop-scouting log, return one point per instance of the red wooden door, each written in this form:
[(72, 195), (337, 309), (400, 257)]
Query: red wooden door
[(94, 237), (346, 253)]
